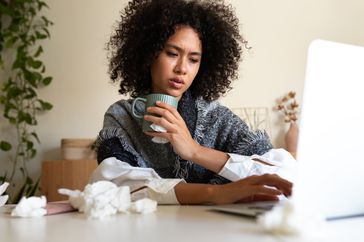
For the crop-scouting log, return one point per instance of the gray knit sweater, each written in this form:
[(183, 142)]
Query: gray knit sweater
[(210, 124)]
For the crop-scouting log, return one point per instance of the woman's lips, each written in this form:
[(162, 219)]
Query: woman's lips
[(176, 83)]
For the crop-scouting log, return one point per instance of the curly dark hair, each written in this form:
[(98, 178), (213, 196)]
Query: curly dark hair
[(145, 27)]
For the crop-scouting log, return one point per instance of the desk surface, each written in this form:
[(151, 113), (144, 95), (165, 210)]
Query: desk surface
[(168, 223)]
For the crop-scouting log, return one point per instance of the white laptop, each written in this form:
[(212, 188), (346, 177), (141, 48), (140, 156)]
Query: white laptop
[(331, 140)]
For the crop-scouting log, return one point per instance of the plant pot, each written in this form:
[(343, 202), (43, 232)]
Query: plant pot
[(77, 149)]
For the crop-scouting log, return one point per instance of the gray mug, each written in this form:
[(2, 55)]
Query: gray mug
[(150, 101)]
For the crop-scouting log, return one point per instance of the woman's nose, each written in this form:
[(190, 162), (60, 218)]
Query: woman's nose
[(181, 67)]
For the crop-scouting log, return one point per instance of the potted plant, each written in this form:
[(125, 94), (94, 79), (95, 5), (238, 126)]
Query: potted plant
[(22, 30)]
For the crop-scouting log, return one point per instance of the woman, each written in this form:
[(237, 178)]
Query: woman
[(189, 50)]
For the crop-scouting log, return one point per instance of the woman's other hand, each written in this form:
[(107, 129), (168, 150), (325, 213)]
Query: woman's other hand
[(265, 187)]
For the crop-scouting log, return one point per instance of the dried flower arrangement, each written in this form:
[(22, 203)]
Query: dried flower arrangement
[(257, 118), (289, 107)]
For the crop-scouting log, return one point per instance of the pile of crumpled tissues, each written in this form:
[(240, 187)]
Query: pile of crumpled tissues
[(30, 207), (27, 207), (3, 199), (104, 198), (98, 200)]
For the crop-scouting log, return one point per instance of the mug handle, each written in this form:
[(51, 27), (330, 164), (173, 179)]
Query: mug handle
[(133, 107)]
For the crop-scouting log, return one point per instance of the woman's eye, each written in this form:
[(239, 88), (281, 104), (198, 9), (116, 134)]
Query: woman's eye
[(194, 60), (169, 53)]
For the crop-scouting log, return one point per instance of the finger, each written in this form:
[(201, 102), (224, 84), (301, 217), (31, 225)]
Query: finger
[(170, 108), (275, 181), (158, 134), (165, 136), (170, 127), (252, 193), (263, 190), (162, 112)]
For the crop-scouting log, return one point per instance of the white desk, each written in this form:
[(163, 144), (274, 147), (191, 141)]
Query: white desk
[(169, 223)]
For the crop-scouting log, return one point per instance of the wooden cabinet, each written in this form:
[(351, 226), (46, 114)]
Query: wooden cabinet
[(71, 174)]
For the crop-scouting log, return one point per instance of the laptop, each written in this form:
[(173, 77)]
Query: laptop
[(331, 165)]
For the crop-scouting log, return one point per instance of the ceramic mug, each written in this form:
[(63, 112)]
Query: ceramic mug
[(150, 101)]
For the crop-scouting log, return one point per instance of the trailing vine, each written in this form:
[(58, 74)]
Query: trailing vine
[(22, 30)]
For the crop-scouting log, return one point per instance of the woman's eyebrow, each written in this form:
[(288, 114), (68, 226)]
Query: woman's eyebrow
[(182, 50)]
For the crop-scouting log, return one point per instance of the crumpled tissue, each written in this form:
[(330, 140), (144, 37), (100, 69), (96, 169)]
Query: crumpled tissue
[(99, 199), (289, 218), (30, 207), (143, 206), (104, 198), (3, 199), (158, 128)]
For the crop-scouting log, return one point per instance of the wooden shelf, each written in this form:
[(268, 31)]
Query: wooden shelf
[(71, 174)]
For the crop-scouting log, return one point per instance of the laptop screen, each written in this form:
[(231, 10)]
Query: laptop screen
[(331, 140)]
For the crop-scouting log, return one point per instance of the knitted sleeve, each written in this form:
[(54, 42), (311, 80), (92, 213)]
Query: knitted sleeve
[(236, 137), (113, 148), (219, 128), (114, 140)]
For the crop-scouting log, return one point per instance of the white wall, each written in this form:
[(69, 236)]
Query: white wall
[(279, 32)]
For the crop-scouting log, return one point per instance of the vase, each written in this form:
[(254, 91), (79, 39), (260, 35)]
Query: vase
[(291, 138)]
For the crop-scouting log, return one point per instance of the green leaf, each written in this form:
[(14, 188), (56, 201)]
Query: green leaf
[(17, 64), (47, 32), (25, 117), (39, 51), (32, 11), (45, 105), (38, 76), (30, 145), (32, 154), (37, 64), (5, 146), (30, 93), (35, 136), (6, 10), (10, 42), (14, 92), (43, 69), (34, 63), (7, 84), (39, 35), (46, 81), (41, 5), (31, 78)]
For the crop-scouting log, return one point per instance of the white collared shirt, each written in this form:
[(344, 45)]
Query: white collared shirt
[(278, 161)]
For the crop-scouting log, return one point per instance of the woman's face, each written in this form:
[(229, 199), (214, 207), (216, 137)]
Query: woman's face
[(176, 66)]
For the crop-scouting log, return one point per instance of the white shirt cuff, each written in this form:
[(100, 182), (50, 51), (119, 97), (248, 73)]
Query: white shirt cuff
[(162, 190), (279, 162)]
